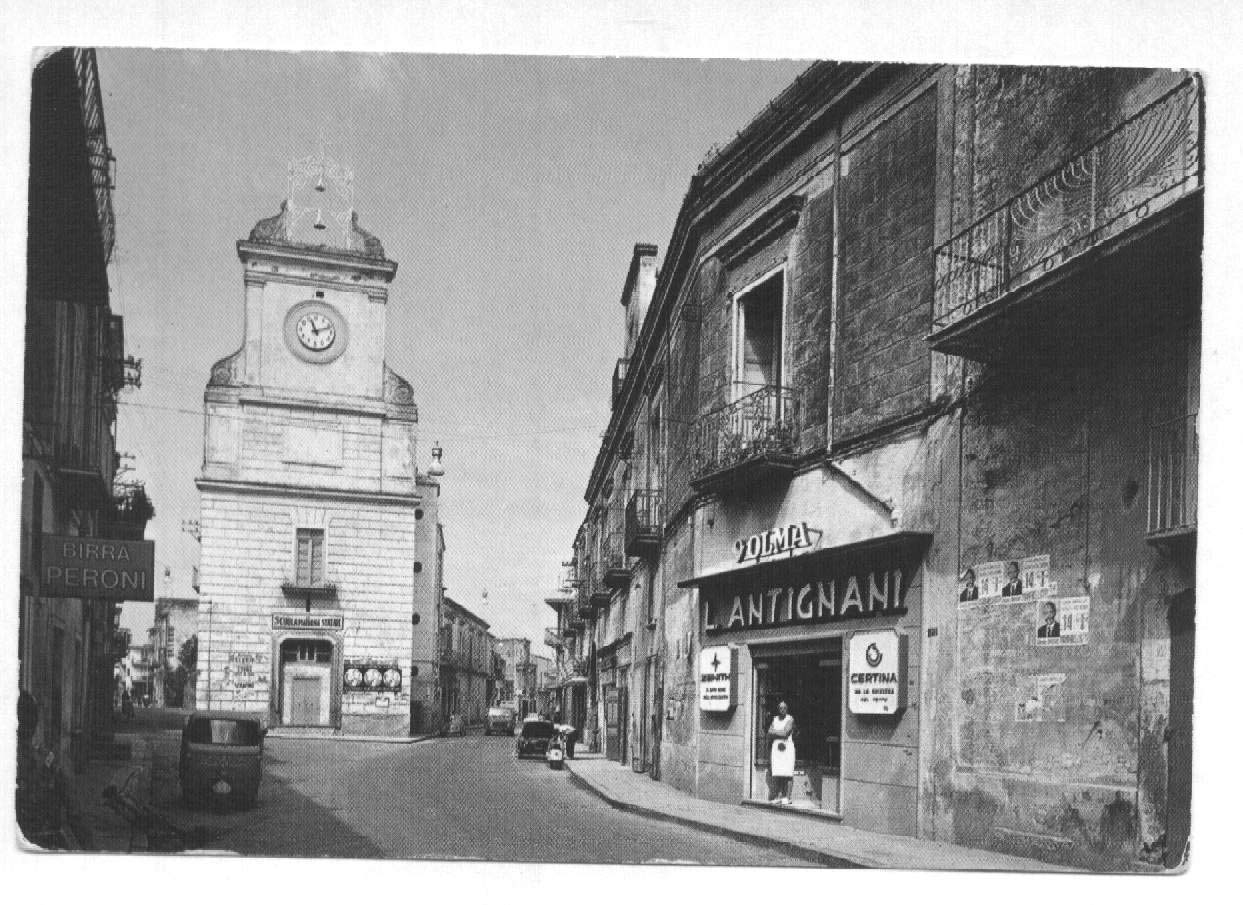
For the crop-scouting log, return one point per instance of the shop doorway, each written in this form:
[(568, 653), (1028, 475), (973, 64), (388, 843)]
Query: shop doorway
[(810, 683), (306, 683), (612, 723)]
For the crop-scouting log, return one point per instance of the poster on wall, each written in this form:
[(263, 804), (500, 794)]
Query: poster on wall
[(1061, 621), (240, 672), (1005, 578), (1042, 699)]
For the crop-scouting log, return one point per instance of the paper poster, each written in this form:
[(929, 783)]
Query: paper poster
[(1061, 621), (240, 673), (1042, 699), (1005, 578)]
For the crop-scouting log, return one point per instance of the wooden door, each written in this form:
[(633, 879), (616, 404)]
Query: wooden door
[(304, 709)]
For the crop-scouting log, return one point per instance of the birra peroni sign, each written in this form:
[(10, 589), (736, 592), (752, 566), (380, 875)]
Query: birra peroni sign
[(97, 567), (857, 596)]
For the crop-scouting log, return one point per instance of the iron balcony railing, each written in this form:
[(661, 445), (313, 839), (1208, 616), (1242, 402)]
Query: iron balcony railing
[(760, 425), (1173, 460), (643, 522), (1135, 170), (613, 557), (99, 155), (553, 639), (619, 377)]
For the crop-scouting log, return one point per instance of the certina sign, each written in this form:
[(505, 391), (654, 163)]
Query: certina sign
[(876, 683), (97, 567), (845, 597), (716, 679)]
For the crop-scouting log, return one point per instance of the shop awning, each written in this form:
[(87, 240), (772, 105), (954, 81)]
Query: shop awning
[(897, 545)]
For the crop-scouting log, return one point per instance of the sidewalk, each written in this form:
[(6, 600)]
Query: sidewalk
[(807, 837)]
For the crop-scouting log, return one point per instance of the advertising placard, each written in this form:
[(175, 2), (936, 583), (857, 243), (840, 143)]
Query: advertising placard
[(1004, 578), (716, 679), (1062, 620), (876, 679), (97, 567)]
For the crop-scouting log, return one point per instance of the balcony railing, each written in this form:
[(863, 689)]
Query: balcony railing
[(301, 590), (643, 523), (759, 429), (553, 639), (614, 559), (1135, 170), (597, 593), (1173, 459), (619, 377)]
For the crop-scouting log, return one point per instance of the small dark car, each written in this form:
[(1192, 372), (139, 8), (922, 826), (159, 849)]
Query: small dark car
[(500, 720), (533, 738), (221, 758)]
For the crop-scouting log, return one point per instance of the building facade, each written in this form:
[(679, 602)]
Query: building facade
[(467, 680), (75, 368), (176, 622), (320, 572), (521, 683), (904, 436)]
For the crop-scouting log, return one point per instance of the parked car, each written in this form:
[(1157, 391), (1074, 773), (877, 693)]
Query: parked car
[(221, 758), (500, 720), (533, 738)]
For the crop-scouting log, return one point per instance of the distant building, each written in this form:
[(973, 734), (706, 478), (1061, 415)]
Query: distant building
[(521, 683), (466, 665), (320, 572), (176, 621)]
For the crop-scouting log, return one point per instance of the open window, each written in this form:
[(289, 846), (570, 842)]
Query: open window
[(760, 335)]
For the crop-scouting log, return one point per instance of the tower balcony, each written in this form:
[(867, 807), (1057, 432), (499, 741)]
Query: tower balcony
[(643, 523), (1173, 462), (746, 441), (1079, 252)]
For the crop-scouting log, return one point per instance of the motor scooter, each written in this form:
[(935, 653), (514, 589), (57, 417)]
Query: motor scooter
[(555, 754)]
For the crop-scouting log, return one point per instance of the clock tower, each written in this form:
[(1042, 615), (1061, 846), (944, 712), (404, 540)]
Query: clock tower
[(320, 570)]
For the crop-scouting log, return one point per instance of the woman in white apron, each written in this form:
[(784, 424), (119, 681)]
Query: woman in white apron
[(782, 760)]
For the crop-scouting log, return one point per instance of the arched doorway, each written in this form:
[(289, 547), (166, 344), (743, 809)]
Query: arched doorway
[(306, 682)]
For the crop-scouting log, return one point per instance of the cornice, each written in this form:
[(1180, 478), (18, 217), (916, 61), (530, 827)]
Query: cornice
[(303, 491)]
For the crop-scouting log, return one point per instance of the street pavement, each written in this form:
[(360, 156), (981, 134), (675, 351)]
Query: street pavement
[(448, 799)]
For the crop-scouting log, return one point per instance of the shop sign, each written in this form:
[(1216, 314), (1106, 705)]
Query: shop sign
[(97, 567), (332, 621), (848, 597), (774, 542), (716, 679), (876, 679)]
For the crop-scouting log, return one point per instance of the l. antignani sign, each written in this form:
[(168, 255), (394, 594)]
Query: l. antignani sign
[(847, 597)]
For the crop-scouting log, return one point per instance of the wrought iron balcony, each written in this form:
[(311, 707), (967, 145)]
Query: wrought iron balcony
[(619, 377), (597, 592), (643, 523), (616, 562), (1173, 461), (553, 639), (746, 440), (308, 591), (1120, 188)]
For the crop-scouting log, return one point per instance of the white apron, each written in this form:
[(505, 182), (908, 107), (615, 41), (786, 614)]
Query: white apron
[(782, 751)]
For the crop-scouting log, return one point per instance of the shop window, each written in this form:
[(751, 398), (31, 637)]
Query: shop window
[(760, 341), (310, 564)]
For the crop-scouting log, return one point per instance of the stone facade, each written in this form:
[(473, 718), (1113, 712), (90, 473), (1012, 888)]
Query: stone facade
[(970, 298), (320, 545)]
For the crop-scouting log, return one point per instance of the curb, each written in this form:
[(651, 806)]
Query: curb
[(824, 859), (377, 739)]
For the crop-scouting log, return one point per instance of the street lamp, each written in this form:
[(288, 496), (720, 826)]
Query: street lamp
[(436, 470)]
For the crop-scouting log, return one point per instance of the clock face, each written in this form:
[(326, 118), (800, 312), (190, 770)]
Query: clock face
[(316, 331), (372, 677)]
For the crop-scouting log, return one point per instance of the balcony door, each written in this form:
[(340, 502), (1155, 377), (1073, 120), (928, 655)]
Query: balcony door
[(760, 335)]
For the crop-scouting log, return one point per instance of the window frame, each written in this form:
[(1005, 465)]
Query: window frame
[(308, 579), (738, 387)]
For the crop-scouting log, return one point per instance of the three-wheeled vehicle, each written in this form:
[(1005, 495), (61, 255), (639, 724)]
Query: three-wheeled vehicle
[(221, 758)]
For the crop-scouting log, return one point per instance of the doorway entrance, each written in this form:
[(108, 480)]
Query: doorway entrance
[(810, 683), (306, 683)]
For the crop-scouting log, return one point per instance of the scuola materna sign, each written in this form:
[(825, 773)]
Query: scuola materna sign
[(97, 567), (842, 597)]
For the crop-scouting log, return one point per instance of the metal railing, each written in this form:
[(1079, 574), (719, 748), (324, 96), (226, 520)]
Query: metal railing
[(99, 155), (1135, 170), (643, 522), (553, 639), (759, 425), (613, 551), (1173, 462)]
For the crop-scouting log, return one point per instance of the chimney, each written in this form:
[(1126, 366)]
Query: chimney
[(637, 294)]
